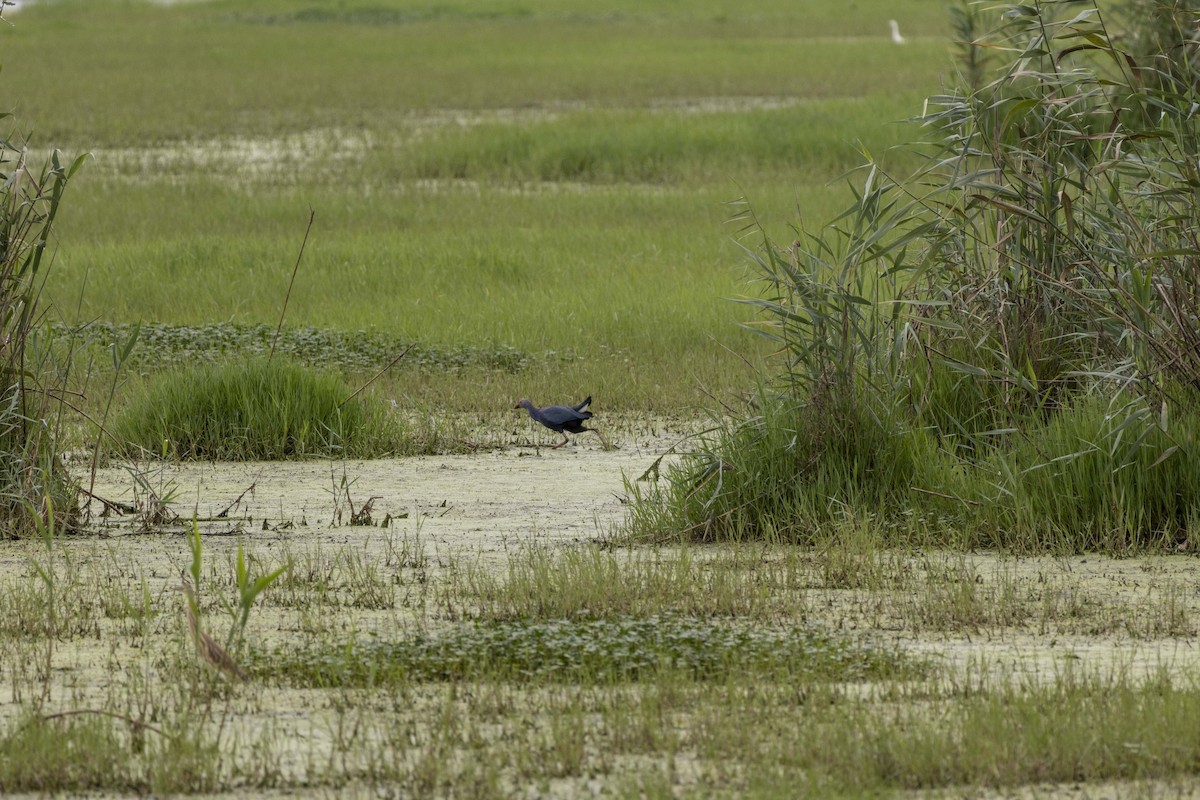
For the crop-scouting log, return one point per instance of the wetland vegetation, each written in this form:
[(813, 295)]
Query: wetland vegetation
[(998, 350), (940, 535)]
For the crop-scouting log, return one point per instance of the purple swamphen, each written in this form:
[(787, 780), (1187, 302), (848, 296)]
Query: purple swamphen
[(562, 418)]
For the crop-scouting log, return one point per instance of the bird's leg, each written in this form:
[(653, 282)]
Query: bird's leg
[(603, 441), (560, 444)]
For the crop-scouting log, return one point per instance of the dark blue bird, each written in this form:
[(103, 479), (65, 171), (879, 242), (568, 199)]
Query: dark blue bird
[(562, 418)]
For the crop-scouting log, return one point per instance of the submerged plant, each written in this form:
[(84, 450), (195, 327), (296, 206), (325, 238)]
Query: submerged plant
[(602, 649)]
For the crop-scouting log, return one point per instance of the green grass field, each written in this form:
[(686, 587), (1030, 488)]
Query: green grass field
[(537, 176)]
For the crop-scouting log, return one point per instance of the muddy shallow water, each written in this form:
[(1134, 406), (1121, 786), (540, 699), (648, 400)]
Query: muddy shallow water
[(484, 502), (978, 614), (1041, 615)]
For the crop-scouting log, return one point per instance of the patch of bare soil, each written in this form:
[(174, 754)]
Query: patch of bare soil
[(486, 503)]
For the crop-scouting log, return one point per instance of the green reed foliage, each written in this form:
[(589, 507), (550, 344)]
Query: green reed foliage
[(33, 481), (257, 409), (1045, 253)]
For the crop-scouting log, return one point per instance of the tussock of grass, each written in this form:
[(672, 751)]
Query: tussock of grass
[(1067, 482), (1097, 477), (258, 410), (788, 472)]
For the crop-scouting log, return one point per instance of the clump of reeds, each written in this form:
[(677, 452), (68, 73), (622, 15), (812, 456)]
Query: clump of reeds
[(34, 485), (1007, 341)]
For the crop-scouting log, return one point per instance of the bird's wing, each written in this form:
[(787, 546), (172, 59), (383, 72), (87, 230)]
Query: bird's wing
[(561, 415)]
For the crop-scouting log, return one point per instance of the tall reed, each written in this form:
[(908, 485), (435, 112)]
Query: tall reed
[(1037, 278), (35, 490)]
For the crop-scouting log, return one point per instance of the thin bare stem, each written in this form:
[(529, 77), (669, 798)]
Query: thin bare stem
[(371, 380), (312, 214)]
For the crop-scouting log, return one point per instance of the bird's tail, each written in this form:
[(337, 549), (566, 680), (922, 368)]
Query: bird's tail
[(583, 406)]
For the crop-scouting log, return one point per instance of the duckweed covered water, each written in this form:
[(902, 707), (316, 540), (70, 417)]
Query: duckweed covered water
[(602, 649)]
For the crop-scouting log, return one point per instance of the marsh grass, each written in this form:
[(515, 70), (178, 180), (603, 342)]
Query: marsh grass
[(313, 72), (104, 752), (785, 470), (653, 672), (75, 755), (1099, 477), (666, 147), (594, 583), (52, 610), (736, 736), (162, 346), (1001, 737), (258, 409)]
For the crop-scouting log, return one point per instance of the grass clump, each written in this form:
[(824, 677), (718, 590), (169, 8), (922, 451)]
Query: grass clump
[(1005, 341), (259, 409), (1097, 477), (786, 471)]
